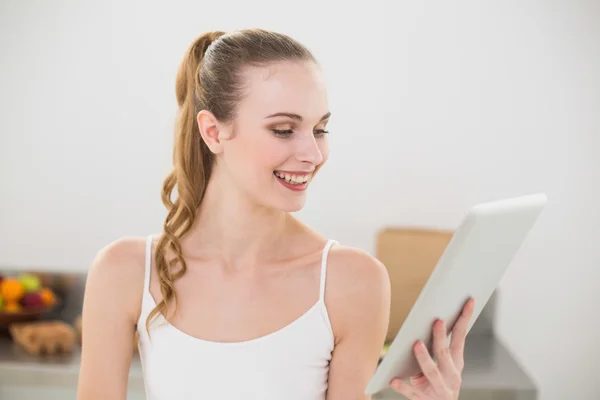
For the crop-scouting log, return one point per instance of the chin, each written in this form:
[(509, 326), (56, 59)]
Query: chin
[(295, 208), (288, 203), (284, 199), (292, 205)]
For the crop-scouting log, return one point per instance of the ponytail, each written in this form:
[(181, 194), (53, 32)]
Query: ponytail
[(193, 163)]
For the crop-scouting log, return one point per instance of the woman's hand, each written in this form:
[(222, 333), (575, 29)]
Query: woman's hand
[(441, 381)]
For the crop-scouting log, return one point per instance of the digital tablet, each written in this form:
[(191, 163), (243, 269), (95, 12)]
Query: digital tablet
[(472, 265)]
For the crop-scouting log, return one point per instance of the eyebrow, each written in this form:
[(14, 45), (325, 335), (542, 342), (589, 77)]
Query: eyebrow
[(295, 116)]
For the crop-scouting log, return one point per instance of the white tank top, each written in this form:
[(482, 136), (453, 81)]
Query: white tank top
[(291, 363)]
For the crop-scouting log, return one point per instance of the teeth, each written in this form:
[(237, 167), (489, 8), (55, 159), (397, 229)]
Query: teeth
[(294, 179)]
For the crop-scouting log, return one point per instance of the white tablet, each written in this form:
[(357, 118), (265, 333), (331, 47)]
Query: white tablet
[(472, 265)]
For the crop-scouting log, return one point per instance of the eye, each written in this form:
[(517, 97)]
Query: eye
[(287, 132), (282, 132)]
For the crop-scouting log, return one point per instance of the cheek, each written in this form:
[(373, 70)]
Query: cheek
[(260, 152), (271, 152)]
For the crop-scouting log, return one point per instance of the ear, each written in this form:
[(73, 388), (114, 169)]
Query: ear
[(211, 131)]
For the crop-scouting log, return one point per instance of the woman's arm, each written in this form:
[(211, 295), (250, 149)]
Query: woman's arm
[(111, 307), (358, 300)]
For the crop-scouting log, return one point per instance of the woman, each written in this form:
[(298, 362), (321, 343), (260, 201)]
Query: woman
[(237, 299)]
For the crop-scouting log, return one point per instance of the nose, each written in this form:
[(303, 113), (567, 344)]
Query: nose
[(308, 150)]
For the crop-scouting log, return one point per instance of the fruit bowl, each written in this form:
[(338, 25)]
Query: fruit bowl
[(24, 315), (24, 299)]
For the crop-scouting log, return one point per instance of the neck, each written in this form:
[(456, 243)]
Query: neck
[(236, 230)]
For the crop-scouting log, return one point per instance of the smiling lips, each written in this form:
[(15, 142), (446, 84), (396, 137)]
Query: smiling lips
[(293, 180)]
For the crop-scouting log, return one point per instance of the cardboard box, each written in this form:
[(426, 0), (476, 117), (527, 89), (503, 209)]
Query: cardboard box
[(410, 255)]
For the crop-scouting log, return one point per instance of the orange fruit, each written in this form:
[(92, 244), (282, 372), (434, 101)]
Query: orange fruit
[(48, 296), (12, 306), (11, 289)]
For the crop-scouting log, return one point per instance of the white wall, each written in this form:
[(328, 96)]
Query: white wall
[(436, 107), (491, 101)]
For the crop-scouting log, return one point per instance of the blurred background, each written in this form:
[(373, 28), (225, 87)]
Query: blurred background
[(436, 106)]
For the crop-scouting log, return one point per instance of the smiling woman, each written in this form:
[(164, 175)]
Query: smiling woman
[(236, 298)]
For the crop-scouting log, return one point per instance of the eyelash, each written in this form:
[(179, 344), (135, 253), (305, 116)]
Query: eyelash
[(286, 133)]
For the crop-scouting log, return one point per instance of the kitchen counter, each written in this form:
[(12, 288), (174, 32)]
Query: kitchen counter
[(490, 373), (24, 377)]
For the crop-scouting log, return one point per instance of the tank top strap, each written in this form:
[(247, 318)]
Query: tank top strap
[(328, 245), (148, 264)]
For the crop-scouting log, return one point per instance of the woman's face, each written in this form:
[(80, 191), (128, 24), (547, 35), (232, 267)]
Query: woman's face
[(278, 139)]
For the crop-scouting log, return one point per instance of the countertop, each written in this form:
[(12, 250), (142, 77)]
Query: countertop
[(491, 372), (489, 368)]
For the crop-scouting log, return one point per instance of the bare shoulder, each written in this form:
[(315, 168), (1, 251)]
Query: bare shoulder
[(358, 302), (358, 288), (118, 269), (125, 249), (354, 271), (111, 307), (121, 259)]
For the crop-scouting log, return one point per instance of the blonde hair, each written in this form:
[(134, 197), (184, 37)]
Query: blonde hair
[(209, 78)]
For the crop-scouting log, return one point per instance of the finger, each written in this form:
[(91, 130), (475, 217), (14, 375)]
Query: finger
[(429, 368), (418, 380), (459, 334), (441, 349), (408, 391)]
